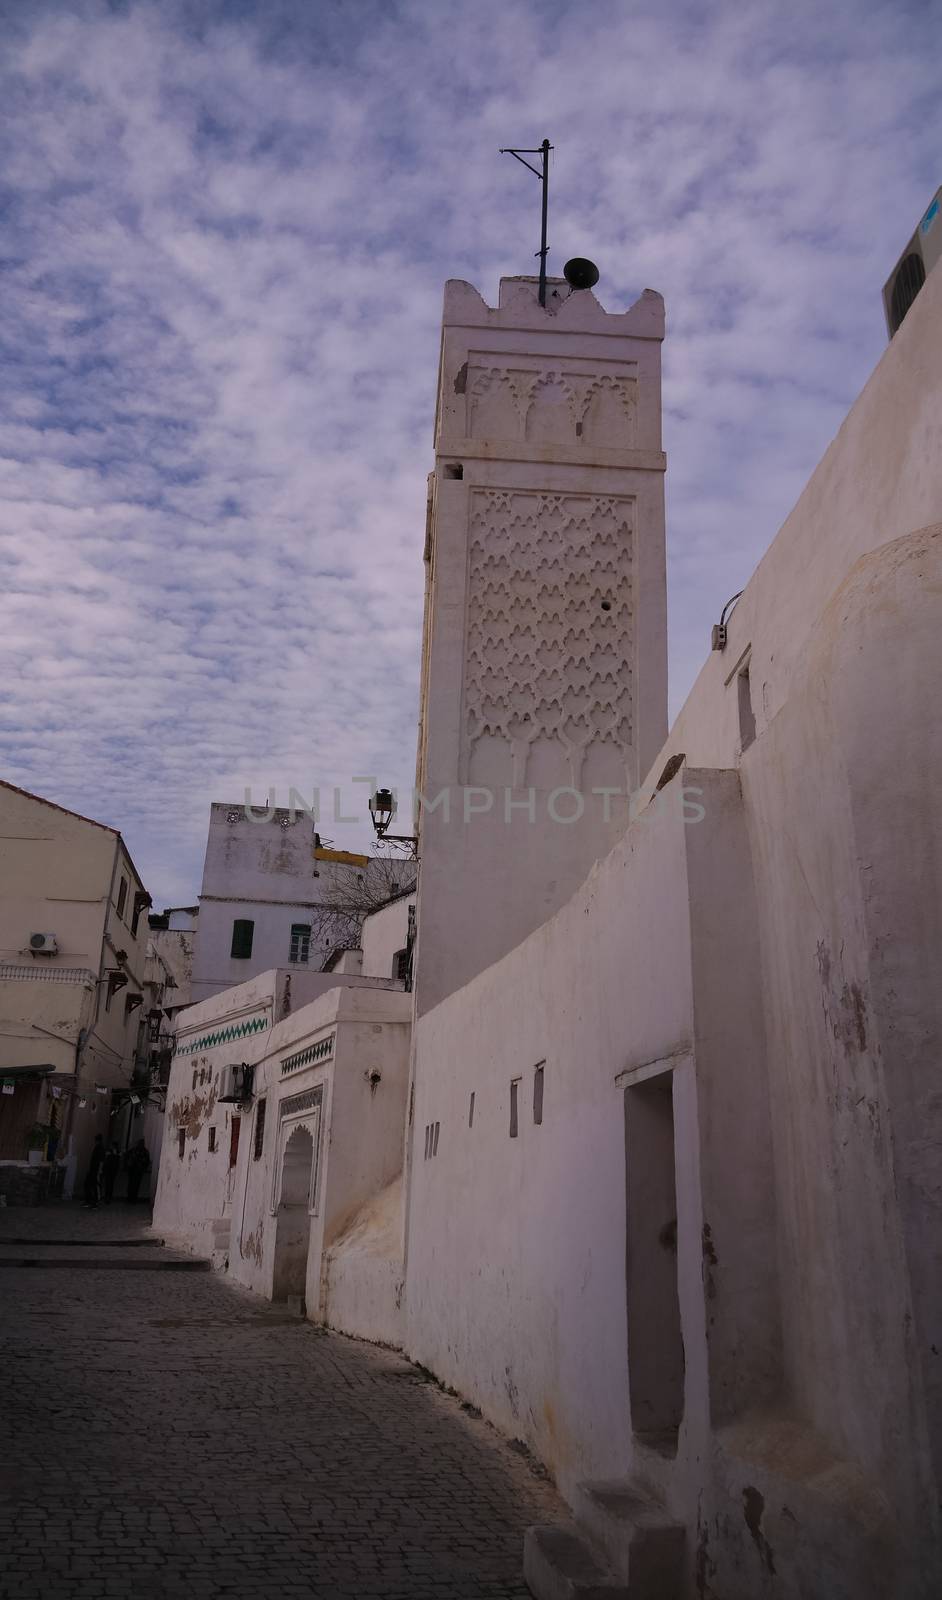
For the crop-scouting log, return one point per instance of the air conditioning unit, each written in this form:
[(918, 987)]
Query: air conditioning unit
[(909, 274), (43, 944), (235, 1084)]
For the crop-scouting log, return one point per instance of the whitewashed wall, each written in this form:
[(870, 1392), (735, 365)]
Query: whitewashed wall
[(361, 1079), (384, 935), (193, 1199), (196, 1191), (263, 870), (783, 955)]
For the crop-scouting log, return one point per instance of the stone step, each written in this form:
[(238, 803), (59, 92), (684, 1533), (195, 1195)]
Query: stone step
[(83, 1244), (635, 1534), (222, 1238), (560, 1565), (98, 1263)]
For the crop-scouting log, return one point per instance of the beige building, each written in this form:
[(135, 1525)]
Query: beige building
[(75, 995)]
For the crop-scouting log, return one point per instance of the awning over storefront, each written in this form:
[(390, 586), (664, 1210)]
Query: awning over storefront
[(28, 1074)]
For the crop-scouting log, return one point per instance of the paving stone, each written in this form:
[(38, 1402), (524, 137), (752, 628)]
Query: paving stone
[(164, 1434)]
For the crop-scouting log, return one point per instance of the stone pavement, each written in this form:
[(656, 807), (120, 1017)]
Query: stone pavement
[(163, 1434)]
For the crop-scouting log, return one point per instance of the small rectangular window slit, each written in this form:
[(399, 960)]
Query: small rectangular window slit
[(747, 719), (259, 1144), (471, 1111), (538, 1093), (514, 1087)]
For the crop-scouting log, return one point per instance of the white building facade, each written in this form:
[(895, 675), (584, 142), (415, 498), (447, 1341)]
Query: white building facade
[(266, 1172), (271, 896)]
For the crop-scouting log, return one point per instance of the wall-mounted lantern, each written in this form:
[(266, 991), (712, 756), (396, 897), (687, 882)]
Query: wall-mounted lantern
[(382, 810)]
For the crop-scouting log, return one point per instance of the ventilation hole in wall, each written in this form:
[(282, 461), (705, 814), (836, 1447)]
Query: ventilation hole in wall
[(196, 1076), (435, 1139), (212, 1138), (514, 1087), (181, 1142), (471, 1111), (538, 1094), (454, 470), (428, 1129), (606, 605)]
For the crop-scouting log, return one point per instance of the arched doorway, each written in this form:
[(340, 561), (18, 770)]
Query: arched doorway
[(293, 1224)]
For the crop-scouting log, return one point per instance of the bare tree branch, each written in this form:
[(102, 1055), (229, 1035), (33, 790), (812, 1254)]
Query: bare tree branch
[(350, 894)]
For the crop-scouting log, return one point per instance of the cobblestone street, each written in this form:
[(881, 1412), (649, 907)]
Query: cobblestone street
[(164, 1434)]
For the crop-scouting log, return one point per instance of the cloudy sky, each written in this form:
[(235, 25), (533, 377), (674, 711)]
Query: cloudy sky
[(225, 232)]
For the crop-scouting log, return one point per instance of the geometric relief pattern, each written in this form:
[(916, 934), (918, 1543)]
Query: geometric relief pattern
[(305, 1101), (34, 974), (558, 405), (549, 636)]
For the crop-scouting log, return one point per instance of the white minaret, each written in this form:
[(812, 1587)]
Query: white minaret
[(544, 683)]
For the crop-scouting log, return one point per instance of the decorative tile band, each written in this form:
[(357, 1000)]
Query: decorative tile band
[(235, 1030), (305, 1058)]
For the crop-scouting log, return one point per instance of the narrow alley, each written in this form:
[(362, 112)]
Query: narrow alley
[(163, 1434)]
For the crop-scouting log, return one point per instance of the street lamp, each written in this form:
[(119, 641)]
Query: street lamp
[(382, 810)]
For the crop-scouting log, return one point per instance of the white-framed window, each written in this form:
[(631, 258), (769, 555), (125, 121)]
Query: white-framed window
[(300, 943)]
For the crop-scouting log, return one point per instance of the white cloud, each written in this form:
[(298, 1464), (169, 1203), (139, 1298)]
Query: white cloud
[(225, 237)]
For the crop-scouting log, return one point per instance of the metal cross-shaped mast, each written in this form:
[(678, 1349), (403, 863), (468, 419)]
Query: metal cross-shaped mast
[(543, 175)]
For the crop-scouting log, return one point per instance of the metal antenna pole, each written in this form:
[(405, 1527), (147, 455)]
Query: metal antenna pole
[(543, 174), (544, 248)]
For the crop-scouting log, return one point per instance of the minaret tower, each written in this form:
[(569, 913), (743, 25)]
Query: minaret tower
[(544, 681)]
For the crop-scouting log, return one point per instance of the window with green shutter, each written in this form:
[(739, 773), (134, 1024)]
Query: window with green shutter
[(243, 932)]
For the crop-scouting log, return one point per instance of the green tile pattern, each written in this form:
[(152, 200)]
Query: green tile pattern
[(235, 1030), (305, 1058)]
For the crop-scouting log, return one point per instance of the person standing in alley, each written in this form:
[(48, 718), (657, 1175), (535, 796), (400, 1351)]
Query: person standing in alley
[(109, 1171), (94, 1170), (137, 1165)]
